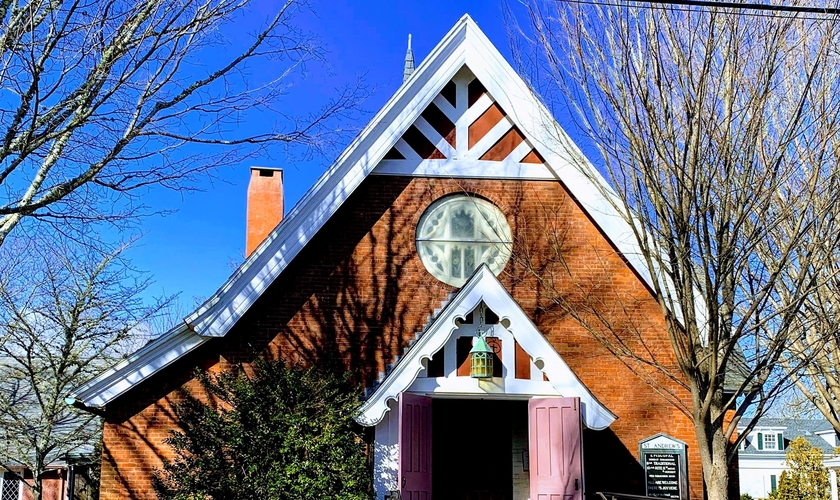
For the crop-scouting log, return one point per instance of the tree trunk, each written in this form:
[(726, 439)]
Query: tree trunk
[(717, 476), (713, 445)]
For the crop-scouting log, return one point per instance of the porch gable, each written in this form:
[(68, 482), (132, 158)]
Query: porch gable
[(484, 287)]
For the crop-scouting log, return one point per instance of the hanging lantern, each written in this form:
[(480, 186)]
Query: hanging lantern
[(481, 359), (481, 355)]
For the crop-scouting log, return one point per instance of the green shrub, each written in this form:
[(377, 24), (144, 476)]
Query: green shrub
[(281, 432)]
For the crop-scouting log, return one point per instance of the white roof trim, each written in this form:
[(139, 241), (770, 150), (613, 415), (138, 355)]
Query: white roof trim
[(483, 286), (475, 169), (465, 44), (141, 365)]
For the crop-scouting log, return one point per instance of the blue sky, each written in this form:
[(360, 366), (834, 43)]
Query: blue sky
[(192, 251)]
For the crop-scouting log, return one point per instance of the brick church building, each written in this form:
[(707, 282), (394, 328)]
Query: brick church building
[(450, 224)]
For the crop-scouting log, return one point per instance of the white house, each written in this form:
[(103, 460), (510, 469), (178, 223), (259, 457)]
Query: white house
[(761, 458)]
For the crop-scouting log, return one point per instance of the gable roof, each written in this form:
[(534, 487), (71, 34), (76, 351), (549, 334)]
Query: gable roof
[(484, 287), (791, 428), (800, 425), (464, 45)]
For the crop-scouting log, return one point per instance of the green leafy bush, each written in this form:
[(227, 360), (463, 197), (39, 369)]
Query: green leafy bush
[(278, 432)]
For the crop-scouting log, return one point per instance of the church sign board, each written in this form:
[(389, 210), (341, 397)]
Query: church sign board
[(664, 461)]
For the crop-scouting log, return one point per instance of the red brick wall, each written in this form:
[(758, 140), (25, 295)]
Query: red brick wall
[(358, 292), (52, 482)]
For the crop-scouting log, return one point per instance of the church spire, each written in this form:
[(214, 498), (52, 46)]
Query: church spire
[(409, 61)]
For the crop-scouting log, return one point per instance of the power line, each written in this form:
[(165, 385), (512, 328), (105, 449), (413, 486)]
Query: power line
[(760, 10), (747, 6)]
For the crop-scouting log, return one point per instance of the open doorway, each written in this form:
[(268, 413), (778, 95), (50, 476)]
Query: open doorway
[(479, 449)]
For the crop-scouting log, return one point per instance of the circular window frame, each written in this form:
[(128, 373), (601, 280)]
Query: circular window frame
[(440, 247)]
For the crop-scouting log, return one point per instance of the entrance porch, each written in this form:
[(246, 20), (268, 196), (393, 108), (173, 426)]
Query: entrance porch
[(475, 458), (480, 449), (443, 434)]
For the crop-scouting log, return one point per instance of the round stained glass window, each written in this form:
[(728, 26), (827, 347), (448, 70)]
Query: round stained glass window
[(459, 233)]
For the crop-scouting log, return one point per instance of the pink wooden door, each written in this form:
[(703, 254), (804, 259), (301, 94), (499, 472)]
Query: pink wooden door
[(555, 448), (415, 447)]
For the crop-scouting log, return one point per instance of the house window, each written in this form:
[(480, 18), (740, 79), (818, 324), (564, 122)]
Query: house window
[(10, 487), (459, 233), (770, 441)]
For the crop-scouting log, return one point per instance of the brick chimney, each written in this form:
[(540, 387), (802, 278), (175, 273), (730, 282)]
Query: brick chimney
[(265, 205)]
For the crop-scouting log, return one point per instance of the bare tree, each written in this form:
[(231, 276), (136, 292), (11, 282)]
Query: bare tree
[(815, 351), (718, 132), (66, 313), (101, 98)]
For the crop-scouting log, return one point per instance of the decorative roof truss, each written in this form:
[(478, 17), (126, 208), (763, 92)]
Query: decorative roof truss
[(464, 131)]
